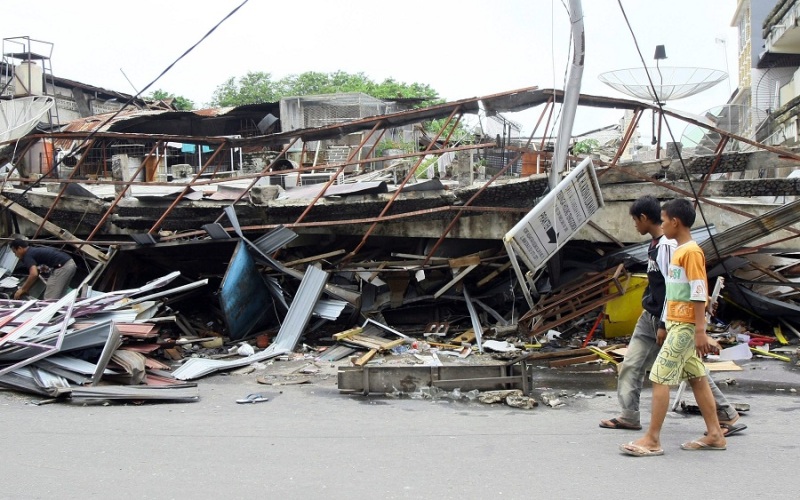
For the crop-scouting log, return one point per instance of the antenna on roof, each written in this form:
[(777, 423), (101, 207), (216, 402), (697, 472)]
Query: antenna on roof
[(135, 90)]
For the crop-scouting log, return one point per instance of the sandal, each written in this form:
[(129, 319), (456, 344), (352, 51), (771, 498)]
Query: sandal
[(615, 423), (252, 398)]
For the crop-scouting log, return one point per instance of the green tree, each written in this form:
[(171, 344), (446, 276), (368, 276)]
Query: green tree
[(460, 134), (180, 102), (253, 88), (259, 87)]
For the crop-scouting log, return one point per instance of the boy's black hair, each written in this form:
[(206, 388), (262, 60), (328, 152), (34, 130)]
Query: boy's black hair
[(649, 206), (18, 244), (681, 209)]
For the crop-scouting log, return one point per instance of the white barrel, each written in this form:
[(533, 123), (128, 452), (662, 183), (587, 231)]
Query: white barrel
[(28, 79)]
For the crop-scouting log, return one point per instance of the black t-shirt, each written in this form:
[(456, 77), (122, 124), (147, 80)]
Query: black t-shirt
[(36, 256)]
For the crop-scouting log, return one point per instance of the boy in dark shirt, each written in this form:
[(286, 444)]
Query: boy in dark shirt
[(680, 356), (650, 331)]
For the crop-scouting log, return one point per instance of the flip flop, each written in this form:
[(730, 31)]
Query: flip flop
[(730, 429), (636, 450), (614, 423), (701, 446), (252, 398)]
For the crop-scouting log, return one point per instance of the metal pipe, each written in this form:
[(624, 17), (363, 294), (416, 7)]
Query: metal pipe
[(571, 92)]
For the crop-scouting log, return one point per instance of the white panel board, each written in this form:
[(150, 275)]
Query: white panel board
[(555, 219)]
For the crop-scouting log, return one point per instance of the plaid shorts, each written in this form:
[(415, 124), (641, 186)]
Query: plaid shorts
[(677, 360)]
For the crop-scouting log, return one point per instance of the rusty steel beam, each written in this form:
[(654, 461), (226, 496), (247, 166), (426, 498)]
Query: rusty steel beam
[(185, 190), (118, 198), (61, 192), (411, 172), (264, 171), (341, 169), (368, 220), (455, 220), (717, 160), (689, 194)]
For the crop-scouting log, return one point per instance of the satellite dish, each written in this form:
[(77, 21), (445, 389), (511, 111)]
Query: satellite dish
[(20, 116), (733, 118), (670, 82)]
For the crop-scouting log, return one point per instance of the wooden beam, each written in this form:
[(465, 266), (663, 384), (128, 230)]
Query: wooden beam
[(59, 232), (489, 277), (468, 260), (573, 361), (363, 360), (347, 333), (458, 277), (314, 258)]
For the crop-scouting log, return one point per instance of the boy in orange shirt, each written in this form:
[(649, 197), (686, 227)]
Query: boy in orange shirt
[(680, 355)]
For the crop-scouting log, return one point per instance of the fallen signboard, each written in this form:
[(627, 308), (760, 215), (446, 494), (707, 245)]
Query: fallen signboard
[(554, 221)]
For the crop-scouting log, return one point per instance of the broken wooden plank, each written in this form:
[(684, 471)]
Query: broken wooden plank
[(313, 258), (363, 360), (468, 336), (458, 277), (348, 333), (59, 232), (489, 277), (466, 261), (559, 363)]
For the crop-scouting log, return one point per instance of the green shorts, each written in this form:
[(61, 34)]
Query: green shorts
[(677, 360)]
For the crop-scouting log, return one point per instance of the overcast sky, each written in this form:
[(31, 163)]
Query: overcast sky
[(461, 48)]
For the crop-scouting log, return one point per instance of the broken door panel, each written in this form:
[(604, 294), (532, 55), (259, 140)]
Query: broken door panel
[(244, 297)]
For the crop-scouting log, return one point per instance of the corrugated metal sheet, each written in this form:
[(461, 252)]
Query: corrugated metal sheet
[(303, 304), (275, 239), (738, 236), (329, 309)]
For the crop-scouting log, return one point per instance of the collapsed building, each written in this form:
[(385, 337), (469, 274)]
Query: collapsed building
[(337, 218)]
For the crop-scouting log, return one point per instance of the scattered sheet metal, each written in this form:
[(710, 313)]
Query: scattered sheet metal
[(216, 231), (335, 353), (48, 381), (225, 192), (45, 315), (113, 341), (195, 368), (131, 365), (72, 364), (292, 328), (22, 379), (134, 392), (311, 191), (275, 239), (35, 332)]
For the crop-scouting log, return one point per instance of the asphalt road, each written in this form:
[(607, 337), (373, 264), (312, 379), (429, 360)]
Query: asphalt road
[(310, 441)]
